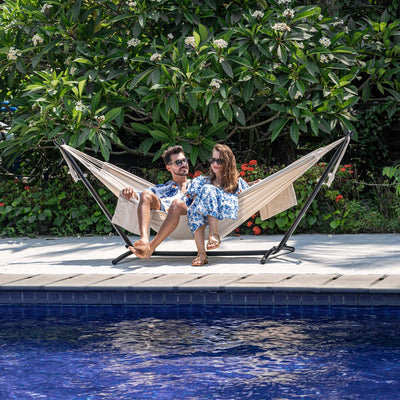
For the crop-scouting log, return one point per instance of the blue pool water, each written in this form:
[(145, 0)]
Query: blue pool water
[(199, 353)]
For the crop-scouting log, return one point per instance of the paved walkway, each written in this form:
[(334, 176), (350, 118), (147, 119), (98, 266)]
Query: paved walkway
[(342, 270)]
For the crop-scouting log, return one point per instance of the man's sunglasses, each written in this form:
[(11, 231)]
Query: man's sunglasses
[(218, 161), (180, 162)]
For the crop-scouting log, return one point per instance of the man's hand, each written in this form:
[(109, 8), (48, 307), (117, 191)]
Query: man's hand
[(128, 193)]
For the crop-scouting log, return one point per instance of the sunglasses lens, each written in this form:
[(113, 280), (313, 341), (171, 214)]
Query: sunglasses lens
[(180, 162), (218, 161)]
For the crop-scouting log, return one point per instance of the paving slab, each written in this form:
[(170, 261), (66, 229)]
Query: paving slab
[(37, 281)]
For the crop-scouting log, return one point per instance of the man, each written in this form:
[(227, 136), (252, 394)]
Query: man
[(167, 197)]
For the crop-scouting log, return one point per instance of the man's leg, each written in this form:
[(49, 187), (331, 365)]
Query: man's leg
[(148, 201), (175, 211)]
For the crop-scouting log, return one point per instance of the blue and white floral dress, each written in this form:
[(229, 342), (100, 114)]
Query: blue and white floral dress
[(210, 200), (167, 193)]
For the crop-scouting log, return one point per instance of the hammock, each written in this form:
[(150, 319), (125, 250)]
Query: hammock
[(270, 196)]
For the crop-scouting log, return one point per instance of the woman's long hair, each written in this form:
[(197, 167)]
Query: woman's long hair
[(230, 174)]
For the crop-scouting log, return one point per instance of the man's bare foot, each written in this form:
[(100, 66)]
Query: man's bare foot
[(141, 249)]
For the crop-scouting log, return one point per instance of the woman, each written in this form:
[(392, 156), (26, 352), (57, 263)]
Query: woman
[(212, 198)]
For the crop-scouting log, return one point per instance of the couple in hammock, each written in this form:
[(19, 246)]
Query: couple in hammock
[(205, 200)]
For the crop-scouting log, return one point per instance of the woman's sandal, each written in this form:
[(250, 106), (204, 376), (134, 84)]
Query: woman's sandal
[(200, 260), (213, 241)]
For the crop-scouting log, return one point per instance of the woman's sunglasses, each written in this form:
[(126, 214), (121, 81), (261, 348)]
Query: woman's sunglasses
[(218, 161), (180, 162)]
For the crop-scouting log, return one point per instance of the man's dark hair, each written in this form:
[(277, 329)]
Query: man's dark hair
[(166, 156)]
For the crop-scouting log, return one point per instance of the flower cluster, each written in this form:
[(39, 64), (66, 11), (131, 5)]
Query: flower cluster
[(215, 83), (336, 23), (46, 7), (156, 57), (324, 58), (195, 175), (79, 106), (37, 39), (133, 42), (300, 45), (284, 1), (100, 118), (281, 26), (13, 54), (348, 168), (324, 42), (248, 167), (289, 13), (190, 41), (257, 14), (298, 95), (221, 43), (132, 4), (170, 36)]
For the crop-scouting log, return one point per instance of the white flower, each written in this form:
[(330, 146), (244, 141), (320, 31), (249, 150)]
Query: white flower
[(132, 4), (324, 58), (281, 26), (220, 43), (133, 42), (320, 17), (202, 65), (79, 106), (156, 57), (298, 95), (339, 22), (190, 41), (288, 13), (13, 54), (46, 7), (324, 42), (301, 45), (257, 14), (72, 70), (284, 1), (290, 66), (100, 118), (37, 39), (215, 83), (170, 36)]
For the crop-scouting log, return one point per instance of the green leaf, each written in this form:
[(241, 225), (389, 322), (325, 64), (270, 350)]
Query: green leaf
[(203, 32), (248, 90), (227, 68), (112, 114), (276, 127), (213, 113), (227, 111), (306, 12), (145, 145), (161, 136), (239, 114), (294, 132)]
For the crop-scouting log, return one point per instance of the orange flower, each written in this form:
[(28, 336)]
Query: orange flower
[(253, 216), (339, 197), (237, 230), (348, 165), (190, 175), (257, 230), (27, 188), (350, 172), (244, 167), (252, 162), (16, 181), (250, 169), (242, 173), (1, 204), (196, 174), (343, 169), (249, 224)]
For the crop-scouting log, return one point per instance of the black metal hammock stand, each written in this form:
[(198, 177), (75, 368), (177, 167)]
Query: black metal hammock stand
[(100, 169)]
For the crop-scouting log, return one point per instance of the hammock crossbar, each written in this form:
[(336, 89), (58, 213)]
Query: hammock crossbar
[(253, 199)]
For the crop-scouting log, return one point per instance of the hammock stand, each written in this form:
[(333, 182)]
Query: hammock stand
[(275, 251)]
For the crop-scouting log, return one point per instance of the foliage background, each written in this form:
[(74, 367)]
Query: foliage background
[(124, 80)]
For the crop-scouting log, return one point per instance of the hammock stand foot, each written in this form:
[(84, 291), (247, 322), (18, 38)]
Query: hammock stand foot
[(121, 257), (274, 252)]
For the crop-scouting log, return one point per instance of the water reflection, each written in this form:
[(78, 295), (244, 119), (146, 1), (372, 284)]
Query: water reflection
[(199, 353)]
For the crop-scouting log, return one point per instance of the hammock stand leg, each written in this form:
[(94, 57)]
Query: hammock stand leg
[(98, 200), (282, 245)]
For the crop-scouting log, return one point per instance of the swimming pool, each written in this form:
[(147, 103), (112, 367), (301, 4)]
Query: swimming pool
[(199, 353)]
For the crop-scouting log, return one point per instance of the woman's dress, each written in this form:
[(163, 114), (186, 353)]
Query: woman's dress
[(204, 199)]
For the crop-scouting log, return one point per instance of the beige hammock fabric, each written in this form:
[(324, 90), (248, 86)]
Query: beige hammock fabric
[(270, 196)]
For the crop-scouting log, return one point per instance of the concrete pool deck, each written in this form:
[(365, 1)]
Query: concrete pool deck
[(332, 270)]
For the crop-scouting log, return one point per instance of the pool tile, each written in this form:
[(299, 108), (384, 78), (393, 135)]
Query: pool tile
[(131, 298), (80, 298), (379, 300), (105, 298), (294, 299), (238, 299), (157, 299), (225, 299), (280, 299), (16, 297), (211, 299), (393, 299), (364, 300), (308, 299), (41, 297), (184, 299), (350, 299), (322, 299), (252, 299), (67, 298), (29, 297), (336, 299), (171, 299), (117, 298), (53, 298), (144, 298), (266, 299), (198, 298), (4, 297)]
